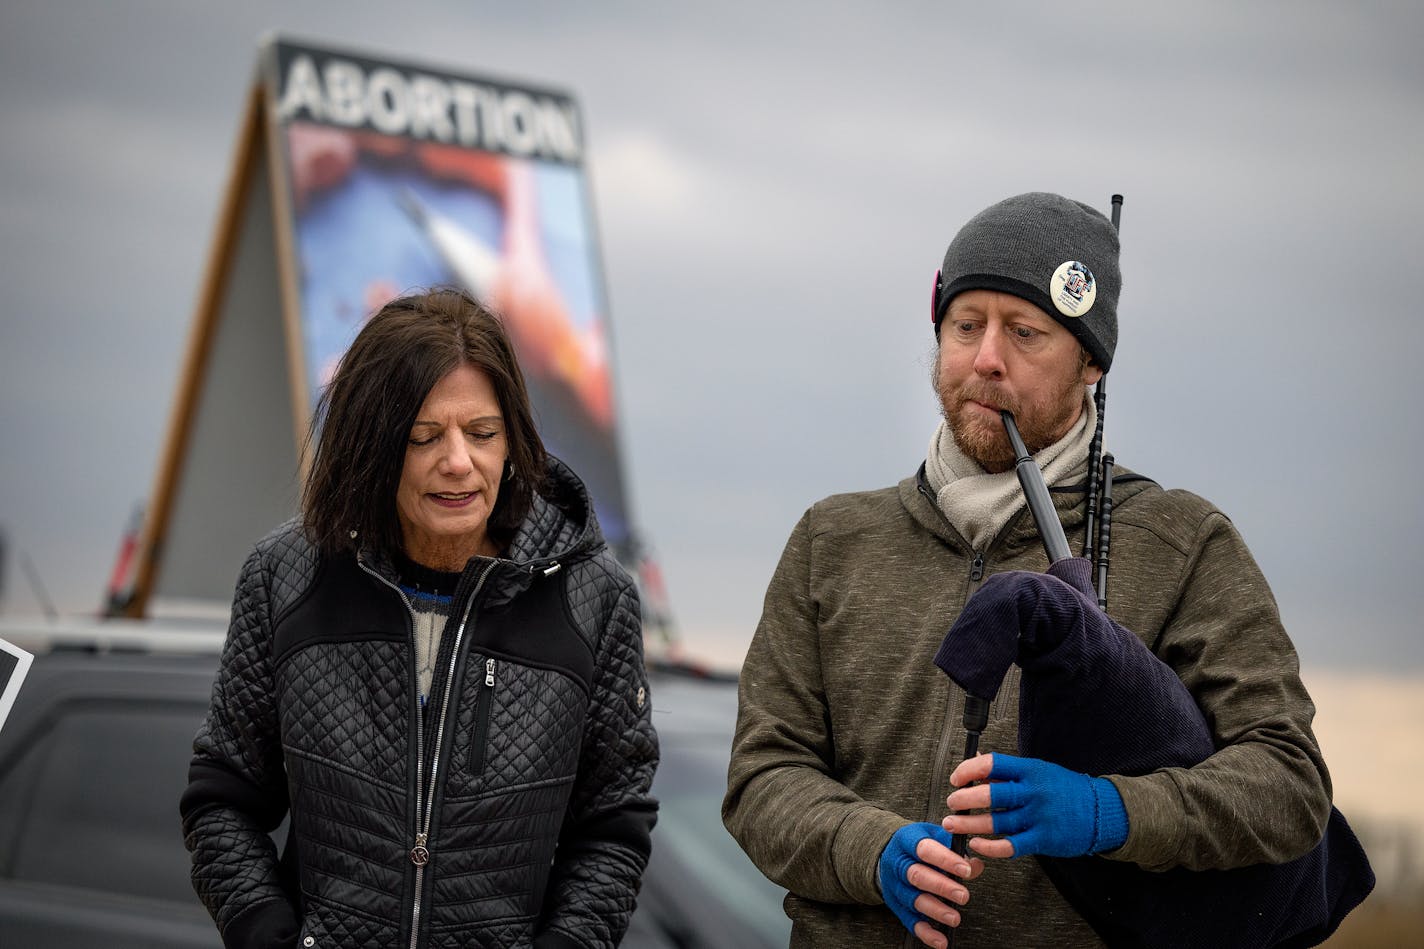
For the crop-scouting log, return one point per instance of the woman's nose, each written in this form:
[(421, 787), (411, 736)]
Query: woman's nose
[(455, 458)]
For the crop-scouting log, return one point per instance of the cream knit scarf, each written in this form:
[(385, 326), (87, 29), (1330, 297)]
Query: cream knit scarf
[(979, 504)]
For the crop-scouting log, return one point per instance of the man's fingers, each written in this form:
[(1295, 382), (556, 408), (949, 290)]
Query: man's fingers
[(997, 849), (970, 799), (928, 880), (1010, 767), (1010, 822), (971, 770), (938, 855), (1009, 794), (937, 910), (969, 824), (928, 935)]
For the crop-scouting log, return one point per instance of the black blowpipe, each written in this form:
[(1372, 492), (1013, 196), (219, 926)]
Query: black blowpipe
[(1050, 529)]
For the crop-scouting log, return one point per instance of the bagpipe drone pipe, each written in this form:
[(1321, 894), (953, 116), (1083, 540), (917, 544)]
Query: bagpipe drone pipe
[(1093, 698)]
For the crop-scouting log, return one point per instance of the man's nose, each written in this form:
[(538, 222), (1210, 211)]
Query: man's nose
[(989, 359)]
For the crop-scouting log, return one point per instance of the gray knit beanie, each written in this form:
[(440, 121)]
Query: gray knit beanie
[(1057, 254)]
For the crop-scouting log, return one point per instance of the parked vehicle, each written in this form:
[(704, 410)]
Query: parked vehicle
[(95, 754)]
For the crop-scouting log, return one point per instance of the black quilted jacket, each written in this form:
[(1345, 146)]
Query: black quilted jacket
[(540, 764)]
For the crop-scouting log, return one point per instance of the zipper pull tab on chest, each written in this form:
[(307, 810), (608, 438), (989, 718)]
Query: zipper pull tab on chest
[(976, 569), (418, 854), (489, 673)]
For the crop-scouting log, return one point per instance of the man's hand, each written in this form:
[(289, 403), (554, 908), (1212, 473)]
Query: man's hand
[(1042, 807), (916, 881)]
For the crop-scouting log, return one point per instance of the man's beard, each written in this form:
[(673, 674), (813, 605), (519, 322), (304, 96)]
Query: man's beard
[(987, 444)]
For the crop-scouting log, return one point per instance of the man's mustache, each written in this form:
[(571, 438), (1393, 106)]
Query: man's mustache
[(987, 395)]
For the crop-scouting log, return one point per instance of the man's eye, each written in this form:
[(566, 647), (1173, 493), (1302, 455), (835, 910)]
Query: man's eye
[(1024, 332)]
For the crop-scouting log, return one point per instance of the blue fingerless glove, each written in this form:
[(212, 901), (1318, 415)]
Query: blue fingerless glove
[(1049, 810), (895, 862)]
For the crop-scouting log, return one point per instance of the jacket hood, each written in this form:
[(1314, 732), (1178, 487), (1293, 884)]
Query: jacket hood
[(559, 529), (560, 525)]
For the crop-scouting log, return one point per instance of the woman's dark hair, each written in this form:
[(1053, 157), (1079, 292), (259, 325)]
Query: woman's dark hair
[(362, 422)]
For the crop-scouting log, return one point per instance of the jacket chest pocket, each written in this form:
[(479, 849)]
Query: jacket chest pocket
[(518, 724), (479, 733)]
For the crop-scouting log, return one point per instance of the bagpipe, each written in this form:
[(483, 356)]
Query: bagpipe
[(1083, 677)]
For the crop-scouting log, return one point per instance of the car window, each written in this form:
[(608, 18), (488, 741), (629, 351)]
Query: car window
[(695, 720), (82, 800), (690, 783)]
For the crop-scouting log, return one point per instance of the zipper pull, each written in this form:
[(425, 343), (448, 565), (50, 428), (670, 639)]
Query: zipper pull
[(489, 673), (553, 568), (418, 854), (976, 569)]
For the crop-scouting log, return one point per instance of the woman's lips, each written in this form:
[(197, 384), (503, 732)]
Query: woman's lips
[(453, 499)]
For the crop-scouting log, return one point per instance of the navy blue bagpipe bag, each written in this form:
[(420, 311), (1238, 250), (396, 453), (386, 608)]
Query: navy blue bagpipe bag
[(1097, 701)]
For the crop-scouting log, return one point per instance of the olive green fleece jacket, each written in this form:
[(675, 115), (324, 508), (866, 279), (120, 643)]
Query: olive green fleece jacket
[(846, 729)]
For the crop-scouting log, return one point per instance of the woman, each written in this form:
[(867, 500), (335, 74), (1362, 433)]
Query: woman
[(436, 670)]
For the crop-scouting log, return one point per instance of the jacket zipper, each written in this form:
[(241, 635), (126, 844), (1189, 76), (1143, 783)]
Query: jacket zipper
[(420, 851)]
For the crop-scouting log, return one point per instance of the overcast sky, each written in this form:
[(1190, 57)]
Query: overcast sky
[(775, 185)]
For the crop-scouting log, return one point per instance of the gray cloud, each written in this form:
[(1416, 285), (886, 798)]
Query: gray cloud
[(774, 185)]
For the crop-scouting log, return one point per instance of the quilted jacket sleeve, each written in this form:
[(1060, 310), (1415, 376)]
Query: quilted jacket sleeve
[(236, 792), (605, 840)]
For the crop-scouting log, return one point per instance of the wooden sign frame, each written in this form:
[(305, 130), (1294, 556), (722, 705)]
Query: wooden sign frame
[(332, 135)]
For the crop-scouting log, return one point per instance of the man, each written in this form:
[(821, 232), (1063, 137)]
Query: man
[(849, 739)]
